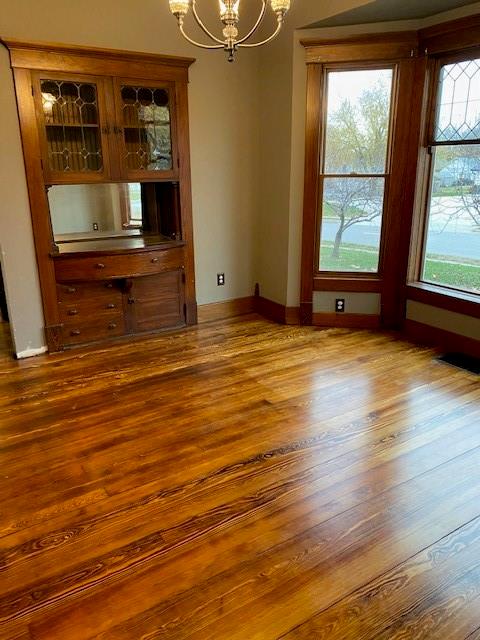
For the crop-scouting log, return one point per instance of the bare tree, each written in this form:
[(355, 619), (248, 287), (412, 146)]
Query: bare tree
[(457, 168), (357, 144), (354, 200)]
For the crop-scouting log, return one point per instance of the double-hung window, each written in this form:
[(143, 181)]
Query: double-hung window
[(451, 246), (355, 159)]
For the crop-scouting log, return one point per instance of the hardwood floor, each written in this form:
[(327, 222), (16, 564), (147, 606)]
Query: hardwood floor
[(240, 480)]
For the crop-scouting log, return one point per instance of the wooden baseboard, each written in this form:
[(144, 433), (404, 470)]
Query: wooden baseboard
[(346, 320), (441, 339), (292, 315), (277, 312), (225, 309)]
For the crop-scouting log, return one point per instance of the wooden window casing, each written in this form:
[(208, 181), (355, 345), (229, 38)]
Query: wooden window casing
[(443, 44), (398, 52)]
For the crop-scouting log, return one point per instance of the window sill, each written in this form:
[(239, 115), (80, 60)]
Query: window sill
[(363, 283), (456, 301)]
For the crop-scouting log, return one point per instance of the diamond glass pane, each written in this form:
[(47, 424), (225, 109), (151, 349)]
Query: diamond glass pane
[(72, 126), (458, 112), (146, 125)]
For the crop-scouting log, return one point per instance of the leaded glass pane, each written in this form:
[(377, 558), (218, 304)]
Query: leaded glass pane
[(147, 132), (72, 126), (458, 114)]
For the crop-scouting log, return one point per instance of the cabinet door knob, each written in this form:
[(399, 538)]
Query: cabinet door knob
[(75, 332), (112, 325), (71, 289), (154, 260), (109, 285), (100, 265), (111, 305), (131, 300), (72, 312), (106, 129)]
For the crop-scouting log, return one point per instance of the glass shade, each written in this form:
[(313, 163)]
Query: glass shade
[(280, 6), (179, 7), (229, 8)]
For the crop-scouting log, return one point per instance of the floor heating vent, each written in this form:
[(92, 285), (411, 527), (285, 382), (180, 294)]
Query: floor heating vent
[(462, 361)]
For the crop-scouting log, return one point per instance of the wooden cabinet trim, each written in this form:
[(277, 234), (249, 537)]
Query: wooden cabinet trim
[(97, 61)]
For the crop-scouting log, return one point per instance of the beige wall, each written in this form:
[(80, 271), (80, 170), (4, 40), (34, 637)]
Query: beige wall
[(16, 241), (224, 140), (363, 303), (282, 106), (443, 319)]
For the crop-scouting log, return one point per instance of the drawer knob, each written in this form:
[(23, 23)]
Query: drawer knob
[(111, 305), (131, 300), (71, 289), (100, 265), (72, 312), (75, 332), (154, 260), (109, 285), (112, 325)]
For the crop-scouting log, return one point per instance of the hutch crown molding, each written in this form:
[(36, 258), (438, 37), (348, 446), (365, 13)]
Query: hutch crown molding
[(106, 148)]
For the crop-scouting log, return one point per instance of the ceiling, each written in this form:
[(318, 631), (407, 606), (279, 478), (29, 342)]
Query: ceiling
[(388, 10)]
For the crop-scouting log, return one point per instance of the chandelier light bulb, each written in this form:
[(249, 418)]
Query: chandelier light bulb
[(229, 16)]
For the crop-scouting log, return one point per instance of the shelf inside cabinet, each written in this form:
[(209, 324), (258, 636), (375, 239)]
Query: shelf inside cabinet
[(71, 124)]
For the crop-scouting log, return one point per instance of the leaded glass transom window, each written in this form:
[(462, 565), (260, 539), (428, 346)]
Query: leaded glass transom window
[(458, 115)]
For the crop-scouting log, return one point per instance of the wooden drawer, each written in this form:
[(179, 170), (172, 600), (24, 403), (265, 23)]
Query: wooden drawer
[(88, 310), (118, 266), (88, 298), (103, 326)]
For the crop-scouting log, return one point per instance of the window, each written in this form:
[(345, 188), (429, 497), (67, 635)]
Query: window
[(355, 161), (451, 252)]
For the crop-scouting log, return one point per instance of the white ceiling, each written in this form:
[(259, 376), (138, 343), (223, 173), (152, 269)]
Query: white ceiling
[(387, 10)]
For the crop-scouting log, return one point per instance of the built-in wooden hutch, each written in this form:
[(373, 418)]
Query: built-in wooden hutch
[(106, 147)]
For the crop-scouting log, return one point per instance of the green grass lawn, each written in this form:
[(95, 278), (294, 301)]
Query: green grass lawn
[(437, 270)]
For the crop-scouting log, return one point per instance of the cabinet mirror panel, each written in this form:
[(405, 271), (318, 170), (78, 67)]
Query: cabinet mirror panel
[(82, 212)]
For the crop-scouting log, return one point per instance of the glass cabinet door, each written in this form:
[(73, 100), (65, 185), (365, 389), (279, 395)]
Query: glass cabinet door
[(72, 127), (145, 114)]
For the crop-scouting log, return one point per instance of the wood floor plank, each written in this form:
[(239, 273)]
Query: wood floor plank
[(373, 609), (279, 580), (239, 480)]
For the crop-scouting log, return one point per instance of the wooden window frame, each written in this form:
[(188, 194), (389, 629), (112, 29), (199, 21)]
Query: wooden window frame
[(441, 40), (320, 275), (397, 50)]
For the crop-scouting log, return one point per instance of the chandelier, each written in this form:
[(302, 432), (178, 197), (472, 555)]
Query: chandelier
[(229, 15)]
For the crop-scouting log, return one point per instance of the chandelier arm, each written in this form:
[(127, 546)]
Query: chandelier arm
[(256, 25), (199, 44), (202, 25), (258, 44)]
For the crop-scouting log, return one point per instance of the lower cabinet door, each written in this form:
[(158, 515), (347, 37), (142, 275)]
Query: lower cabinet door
[(157, 302)]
